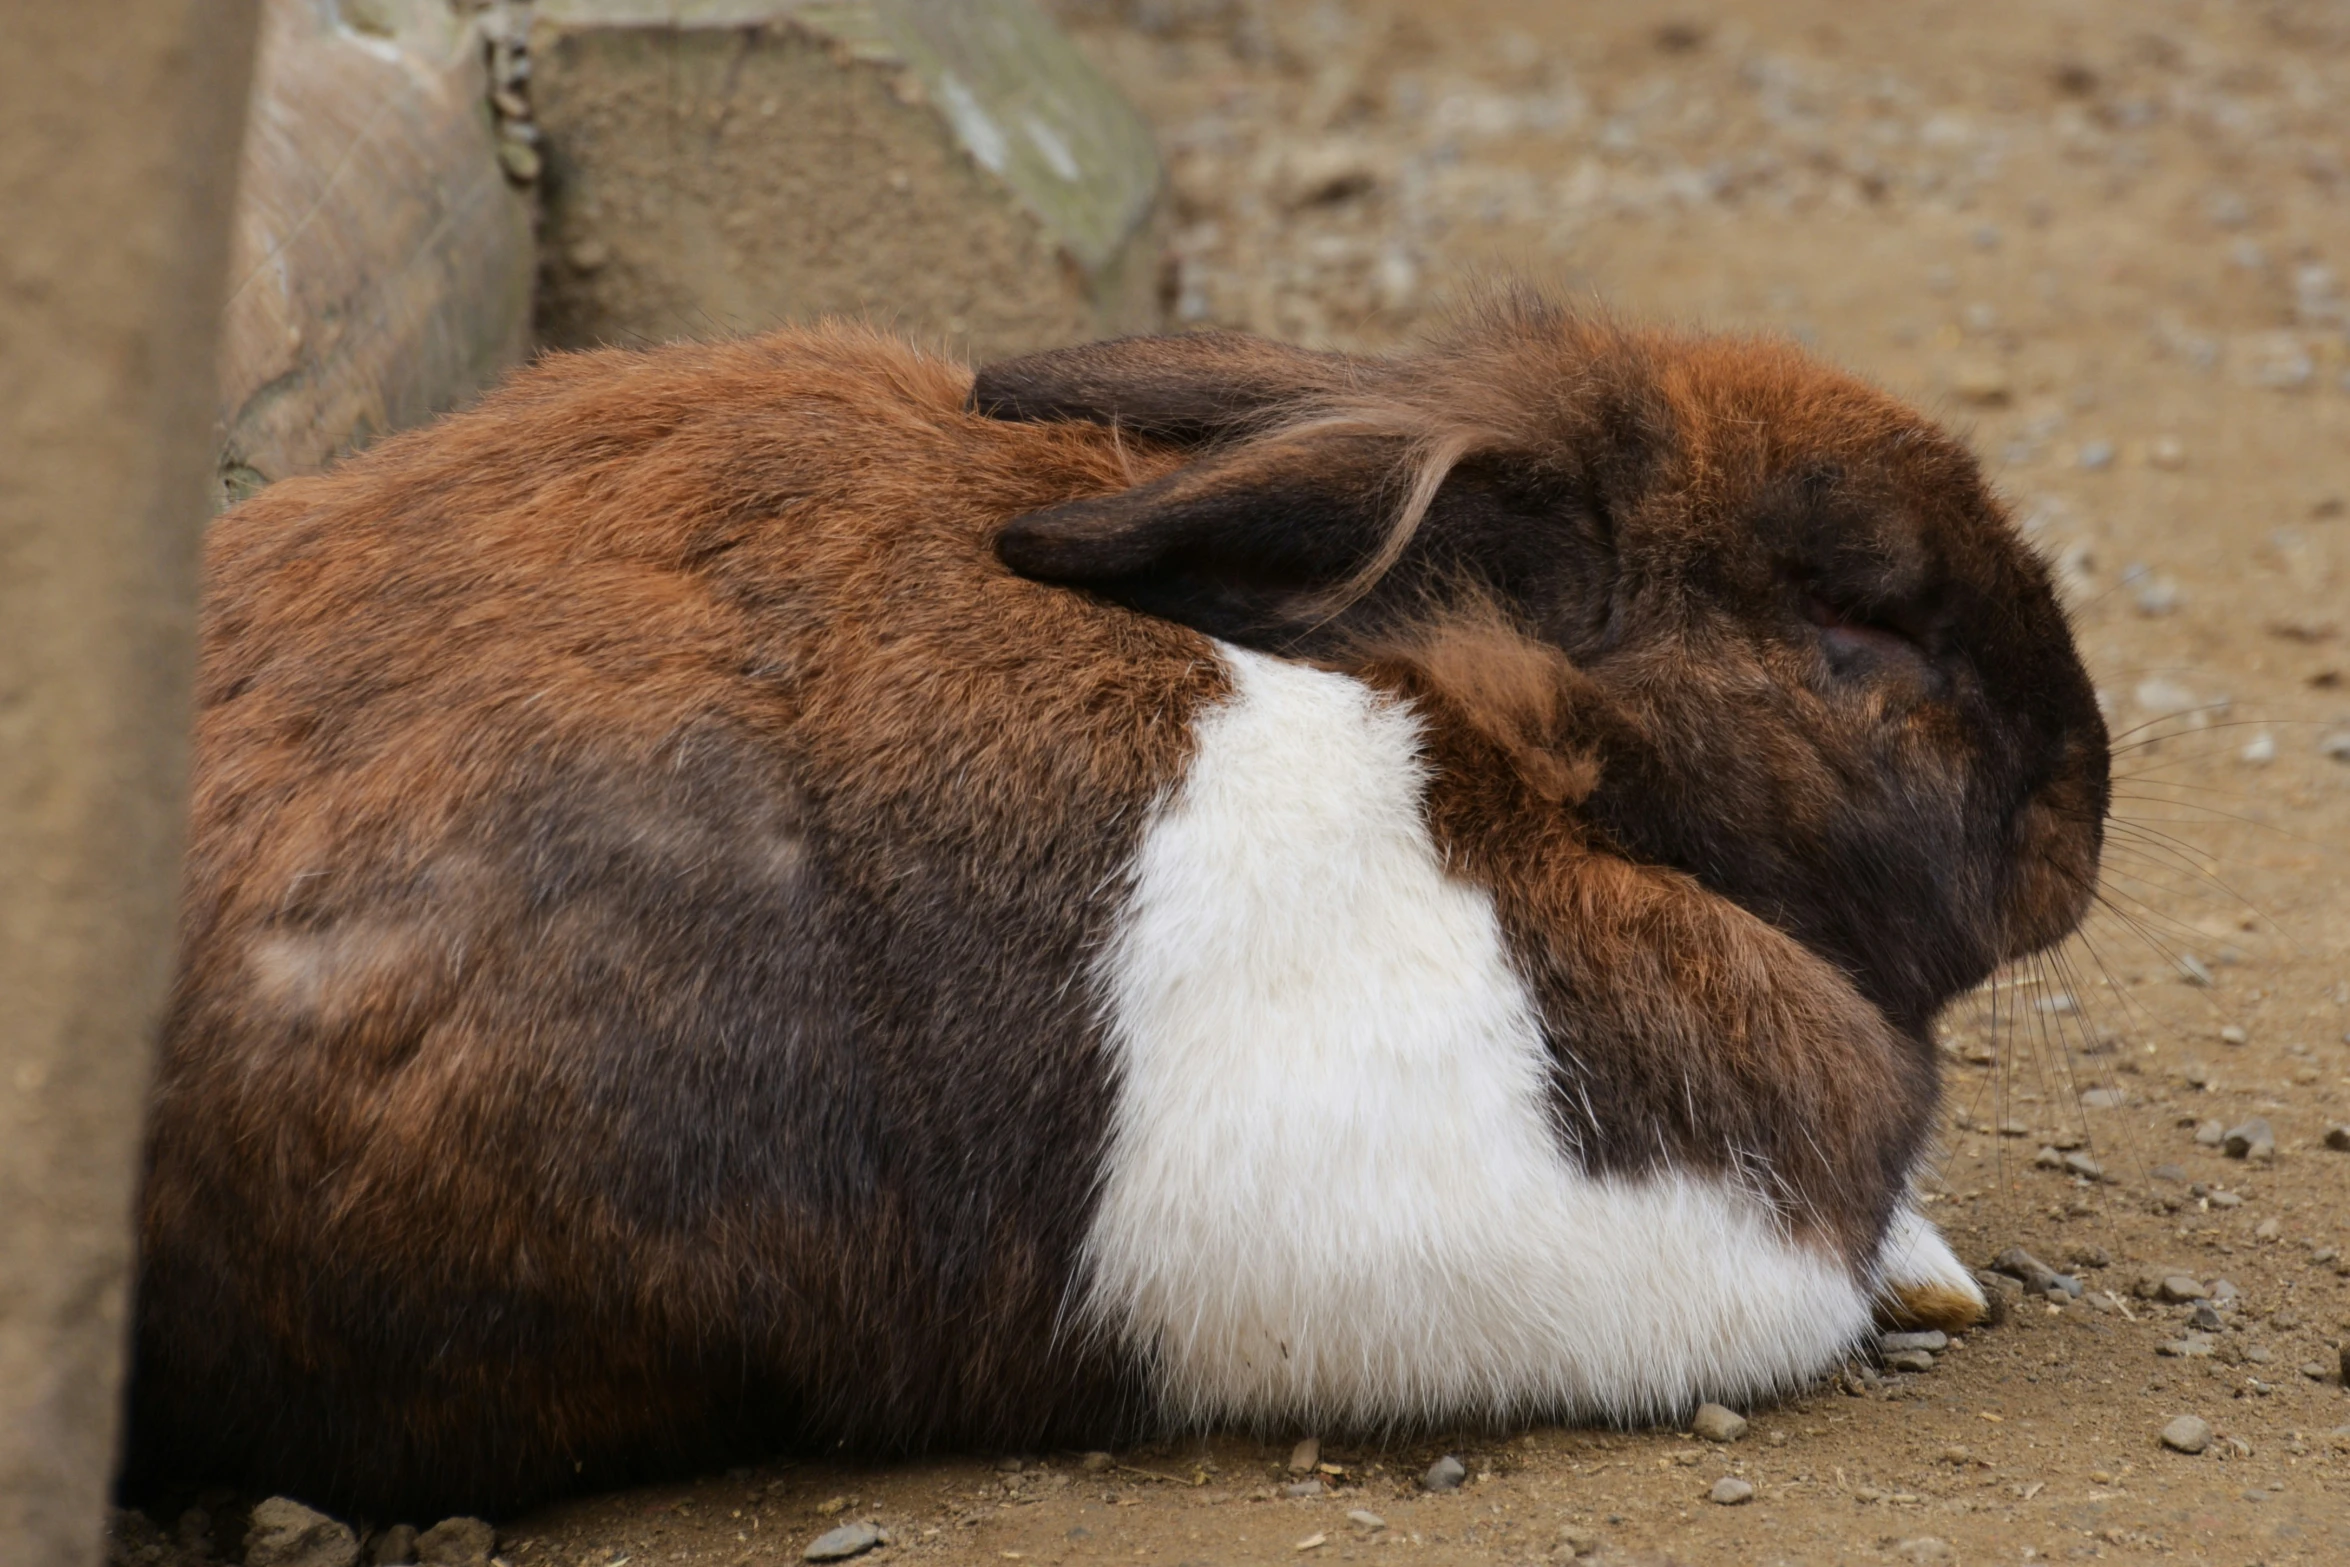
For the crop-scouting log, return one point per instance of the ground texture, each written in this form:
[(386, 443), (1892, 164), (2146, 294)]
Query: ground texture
[(2106, 239)]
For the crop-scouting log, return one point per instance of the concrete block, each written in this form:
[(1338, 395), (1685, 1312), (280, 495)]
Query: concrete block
[(118, 151), (953, 168), (383, 259)]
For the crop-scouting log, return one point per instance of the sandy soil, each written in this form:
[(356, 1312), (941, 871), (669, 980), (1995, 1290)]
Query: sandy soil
[(2104, 238)]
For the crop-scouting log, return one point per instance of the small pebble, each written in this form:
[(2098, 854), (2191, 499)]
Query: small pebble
[(1931, 1339), (1312, 1487), (2233, 1035), (1304, 1456), (1446, 1474), (284, 1533), (2188, 1434), (1577, 1542), (2338, 1138), (2158, 596), (2104, 1099), (1716, 1423), (838, 1545), (2251, 1140), (456, 1542), (2179, 1288), (1730, 1491), (1364, 1518), (521, 160), (1311, 1542), (1983, 381), (2267, 1230), (2095, 455), (2082, 1165), (2315, 1370), (1909, 1360), (1096, 1463), (2204, 1318), (2210, 1133), (1926, 1551), (2260, 750)]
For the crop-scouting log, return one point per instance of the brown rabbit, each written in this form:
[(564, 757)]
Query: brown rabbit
[(760, 893)]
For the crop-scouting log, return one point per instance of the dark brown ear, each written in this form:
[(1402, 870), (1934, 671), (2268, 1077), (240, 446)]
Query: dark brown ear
[(1260, 543), (1196, 387)]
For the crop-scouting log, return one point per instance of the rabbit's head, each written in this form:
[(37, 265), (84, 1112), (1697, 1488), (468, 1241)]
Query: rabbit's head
[(1741, 614)]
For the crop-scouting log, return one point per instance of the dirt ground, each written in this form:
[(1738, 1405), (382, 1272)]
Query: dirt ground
[(2103, 236)]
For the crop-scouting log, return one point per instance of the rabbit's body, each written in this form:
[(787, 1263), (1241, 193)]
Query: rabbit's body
[(685, 953)]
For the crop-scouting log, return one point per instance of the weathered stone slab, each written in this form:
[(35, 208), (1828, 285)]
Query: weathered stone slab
[(950, 167), (118, 151), (382, 260)]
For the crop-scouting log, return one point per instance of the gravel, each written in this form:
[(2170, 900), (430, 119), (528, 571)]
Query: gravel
[(2038, 1277), (1909, 1360), (2188, 1434), (284, 1533), (1730, 1491), (1446, 1474), (1364, 1518), (838, 1545), (1717, 1423), (1933, 1340), (2179, 1288), (1304, 1456), (2338, 1138)]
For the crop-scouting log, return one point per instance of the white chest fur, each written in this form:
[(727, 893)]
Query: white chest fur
[(1333, 1192)]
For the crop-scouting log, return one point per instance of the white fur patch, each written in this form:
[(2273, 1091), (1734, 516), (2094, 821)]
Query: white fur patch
[(1334, 1192), (1914, 1256)]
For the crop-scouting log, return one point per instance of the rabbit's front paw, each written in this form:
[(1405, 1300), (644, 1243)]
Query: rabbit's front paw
[(1920, 1282)]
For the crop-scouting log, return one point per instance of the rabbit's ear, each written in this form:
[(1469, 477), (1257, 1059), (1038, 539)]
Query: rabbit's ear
[(1187, 389), (1261, 543)]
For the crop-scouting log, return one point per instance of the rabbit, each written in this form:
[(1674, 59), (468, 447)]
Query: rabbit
[(779, 893)]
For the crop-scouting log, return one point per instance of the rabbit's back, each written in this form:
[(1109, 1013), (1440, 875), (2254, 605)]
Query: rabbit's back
[(641, 850)]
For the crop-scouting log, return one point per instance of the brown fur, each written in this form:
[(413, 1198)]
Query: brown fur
[(601, 799)]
